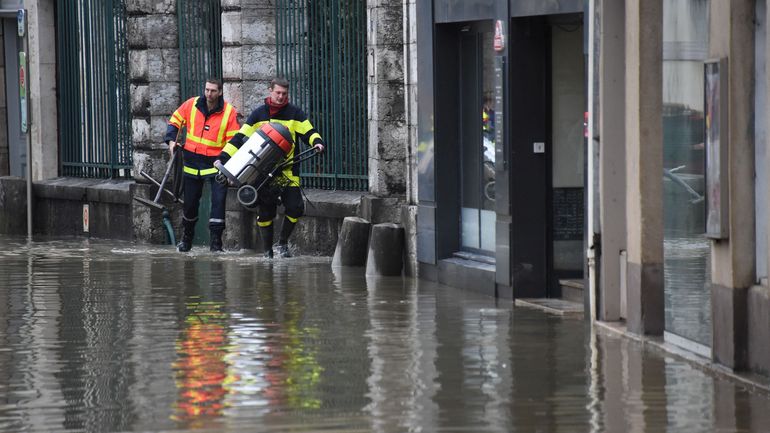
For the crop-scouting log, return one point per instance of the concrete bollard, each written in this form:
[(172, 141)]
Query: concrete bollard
[(386, 250), (352, 242)]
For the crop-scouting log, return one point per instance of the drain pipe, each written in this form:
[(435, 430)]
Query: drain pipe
[(29, 186), (591, 247), (24, 102)]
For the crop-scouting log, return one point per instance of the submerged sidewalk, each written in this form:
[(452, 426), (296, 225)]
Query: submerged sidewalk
[(114, 336)]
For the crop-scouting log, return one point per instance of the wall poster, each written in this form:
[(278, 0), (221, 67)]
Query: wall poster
[(716, 141)]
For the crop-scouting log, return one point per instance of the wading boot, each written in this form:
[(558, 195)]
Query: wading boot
[(188, 232), (267, 240), (283, 239), (216, 238)]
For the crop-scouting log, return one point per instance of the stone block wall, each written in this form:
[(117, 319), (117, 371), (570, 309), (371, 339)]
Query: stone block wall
[(388, 128), (153, 41), (248, 52)]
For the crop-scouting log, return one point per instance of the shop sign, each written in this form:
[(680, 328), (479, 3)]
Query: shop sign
[(499, 42)]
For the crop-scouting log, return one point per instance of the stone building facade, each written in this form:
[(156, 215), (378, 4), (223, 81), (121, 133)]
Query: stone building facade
[(248, 37), (249, 54)]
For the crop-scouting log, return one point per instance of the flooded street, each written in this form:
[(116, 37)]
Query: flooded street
[(102, 336)]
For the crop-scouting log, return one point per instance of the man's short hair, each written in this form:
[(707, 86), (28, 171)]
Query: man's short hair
[(280, 81), (215, 80)]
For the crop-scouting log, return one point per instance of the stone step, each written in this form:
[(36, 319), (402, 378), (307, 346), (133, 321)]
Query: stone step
[(557, 306)]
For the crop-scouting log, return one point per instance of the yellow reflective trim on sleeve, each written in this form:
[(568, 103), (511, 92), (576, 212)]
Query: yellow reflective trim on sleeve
[(294, 220), (247, 129), (314, 137), (177, 119), (229, 149), (223, 124), (264, 223)]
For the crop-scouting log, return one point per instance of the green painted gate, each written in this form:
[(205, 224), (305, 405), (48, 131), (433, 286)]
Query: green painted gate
[(322, 52), (200, 44), (200, 57), (94, 101)]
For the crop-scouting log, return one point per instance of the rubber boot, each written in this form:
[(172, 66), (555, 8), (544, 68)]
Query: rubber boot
[(188, 233), (215, 233), (283, 238), (267, 240)]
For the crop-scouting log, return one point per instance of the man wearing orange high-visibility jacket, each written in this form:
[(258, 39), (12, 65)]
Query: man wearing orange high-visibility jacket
[(210, 123), (286, 186)]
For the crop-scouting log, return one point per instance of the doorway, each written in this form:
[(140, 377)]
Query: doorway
[(477, 143), (567, 171), (547, 94)]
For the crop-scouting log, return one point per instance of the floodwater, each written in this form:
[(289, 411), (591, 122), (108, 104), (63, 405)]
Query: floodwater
[(103, 336)]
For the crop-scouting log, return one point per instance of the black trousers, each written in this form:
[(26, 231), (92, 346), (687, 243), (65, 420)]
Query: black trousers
[(193, 188), (268, 200)]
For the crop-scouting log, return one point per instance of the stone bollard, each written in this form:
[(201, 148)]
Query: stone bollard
[(351, 243), (386, 250)]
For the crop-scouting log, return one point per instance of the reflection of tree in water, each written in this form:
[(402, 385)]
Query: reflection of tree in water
[(273, 353), (201, 369), (298, 360)]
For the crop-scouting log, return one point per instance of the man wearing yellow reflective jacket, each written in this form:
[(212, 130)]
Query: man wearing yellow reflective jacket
[(210, 123), (285, 188)]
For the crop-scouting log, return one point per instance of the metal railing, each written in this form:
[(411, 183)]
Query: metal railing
[(94, 101), (200, 44), (322, 52)]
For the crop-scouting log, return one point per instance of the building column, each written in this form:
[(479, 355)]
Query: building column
[(153, 44), (388, 129), (249, 53), (758, 297), (42, 88), (644, 165), (732, 268), (612, 169)]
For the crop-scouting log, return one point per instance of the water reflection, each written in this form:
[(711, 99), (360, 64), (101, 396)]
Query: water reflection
[(99, 336), (201, 371)]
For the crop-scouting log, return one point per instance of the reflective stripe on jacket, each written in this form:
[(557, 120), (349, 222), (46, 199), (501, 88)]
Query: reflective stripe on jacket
[(207, 133), (290, 116)]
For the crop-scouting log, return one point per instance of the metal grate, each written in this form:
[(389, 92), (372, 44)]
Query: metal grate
[(200, 44), (322, 52), (94, 104)]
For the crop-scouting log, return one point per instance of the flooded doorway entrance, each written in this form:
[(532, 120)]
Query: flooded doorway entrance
[(547, 94), (568, 102)]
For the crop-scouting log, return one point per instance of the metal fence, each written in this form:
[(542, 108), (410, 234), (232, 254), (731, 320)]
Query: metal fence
[(322, 52), (94, 104), (200, 44)]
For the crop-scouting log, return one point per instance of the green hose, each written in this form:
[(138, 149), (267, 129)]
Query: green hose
[(169, 228)]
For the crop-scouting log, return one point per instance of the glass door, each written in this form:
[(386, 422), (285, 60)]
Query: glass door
[(477, 132)]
